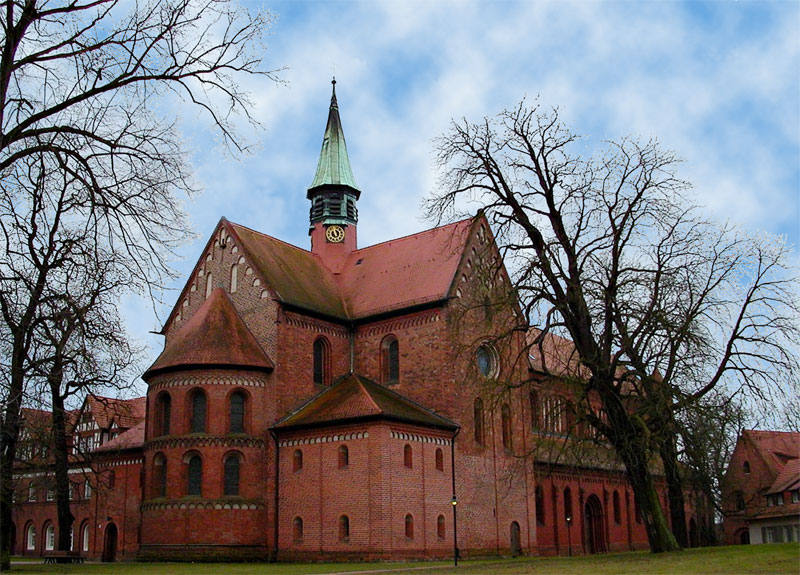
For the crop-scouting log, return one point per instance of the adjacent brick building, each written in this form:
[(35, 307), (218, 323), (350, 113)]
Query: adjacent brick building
[(347, 402)]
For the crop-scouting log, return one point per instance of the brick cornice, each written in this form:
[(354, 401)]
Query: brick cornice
[(205, 441)]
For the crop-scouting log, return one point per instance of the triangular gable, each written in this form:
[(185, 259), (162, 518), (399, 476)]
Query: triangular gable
[(215, 336), (355, 398)]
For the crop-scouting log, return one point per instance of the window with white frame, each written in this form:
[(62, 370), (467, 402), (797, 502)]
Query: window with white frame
[(50, 538), (30, 538)]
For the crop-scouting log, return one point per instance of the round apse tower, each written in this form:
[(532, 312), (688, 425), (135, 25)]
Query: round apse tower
[(205, 454)]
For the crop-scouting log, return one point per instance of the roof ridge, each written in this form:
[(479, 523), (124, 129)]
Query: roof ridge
[(368, 394), (412, 235), (249, 229)]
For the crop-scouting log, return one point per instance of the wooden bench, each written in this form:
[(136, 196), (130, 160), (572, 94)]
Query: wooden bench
[(63, 557)]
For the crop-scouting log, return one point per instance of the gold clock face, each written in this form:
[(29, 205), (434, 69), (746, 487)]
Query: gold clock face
[(335, 234)]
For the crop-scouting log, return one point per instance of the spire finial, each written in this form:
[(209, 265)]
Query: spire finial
[(334, 104)]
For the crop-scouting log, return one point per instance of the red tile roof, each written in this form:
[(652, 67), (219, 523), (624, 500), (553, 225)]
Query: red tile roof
[(215, 336), (775, 447), (124, 412), (397, 274), (788, 478), (354, 398), (130, 439)]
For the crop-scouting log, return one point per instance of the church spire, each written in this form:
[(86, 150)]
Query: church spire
[(333, 193)]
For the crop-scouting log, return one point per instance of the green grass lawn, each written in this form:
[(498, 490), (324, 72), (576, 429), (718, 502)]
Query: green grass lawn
[(775, 559)]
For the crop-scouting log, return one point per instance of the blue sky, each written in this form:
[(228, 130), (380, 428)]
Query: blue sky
[(718, 83)]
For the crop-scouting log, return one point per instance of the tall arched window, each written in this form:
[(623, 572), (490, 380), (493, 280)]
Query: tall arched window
[(231, 466), (195, 476), (159, 475), (567, 503), (390, 360), (439, 460), (534, 401), (234, 278), (49, 537), (477, 412), (237, 407), (321, 361), (505, 417), (540, 517), (344, 456), (85, 537), (617, 512), (198, 423), (440, 527), (30, 538), (297, 460), (408, 456), (409, 526), (569, 417), (344, 528), (209, 284), (297, 528), (746, 467), (163, 413)]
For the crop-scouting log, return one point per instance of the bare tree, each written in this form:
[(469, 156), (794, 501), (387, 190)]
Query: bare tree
[(85, 155), (662, 306)]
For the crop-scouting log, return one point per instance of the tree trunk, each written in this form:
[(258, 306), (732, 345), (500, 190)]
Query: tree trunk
[(61, 455), (677, 511)]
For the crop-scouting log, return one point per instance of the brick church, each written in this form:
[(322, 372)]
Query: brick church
[(337, 402)]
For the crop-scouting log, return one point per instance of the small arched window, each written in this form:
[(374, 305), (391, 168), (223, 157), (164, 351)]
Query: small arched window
[(439, 460), (209, 284), (297, 529), (195, 476), (234, 278), (159, 475), (568, 503), (30, 538), (440, 527), (163, 413), (408, 456), (231, 479), (746, 467), (297, 460), (49, 537), (478, 420), (198, 422), (739, 501), (505, 416), (540, 517), (344, 456), (409, 526), (534, 402), (85, 537), (390, 360), (344, 528), (321, 361), (237, 407), (617, 511)]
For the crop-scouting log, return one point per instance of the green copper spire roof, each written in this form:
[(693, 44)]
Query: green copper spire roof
[(333, 168)]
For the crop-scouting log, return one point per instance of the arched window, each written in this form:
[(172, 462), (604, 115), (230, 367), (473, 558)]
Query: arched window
[(505, 416), (49, 537), (163, 413), (31, 491), (390, 360), (440, 527), (85, 537), (486, 360), (297, 460), (195, 476), (439, 460), (746, 467), (231, 475), (159, 475), (30, 538), (234, 278), (87, 489), (408, 456), (569, 417), (409, 526), (344, 528), (198, 422), (617, 512), (478, 420), (297, 529), (534, 401), (209, 284), (540, 517), (321, 361), (237, 407), (344, 456), (739, 501), (568, 503)]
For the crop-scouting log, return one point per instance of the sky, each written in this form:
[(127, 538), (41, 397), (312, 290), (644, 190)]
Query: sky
[(718, 83)]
